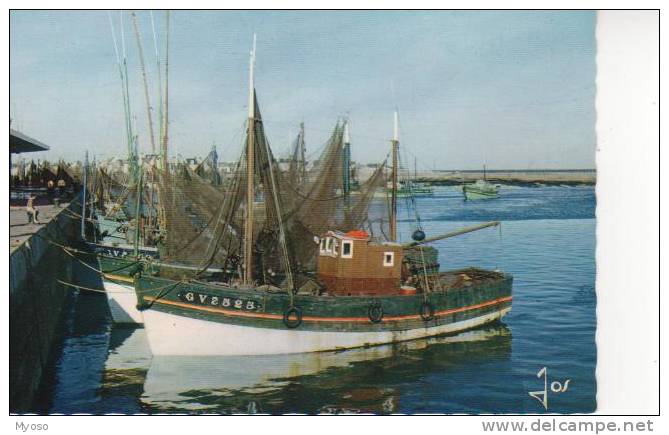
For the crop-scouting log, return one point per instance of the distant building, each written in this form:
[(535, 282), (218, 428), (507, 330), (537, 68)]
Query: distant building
[(20, 143)]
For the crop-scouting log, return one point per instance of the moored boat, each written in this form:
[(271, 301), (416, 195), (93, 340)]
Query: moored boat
[(189, 318), (278, 292), (481, 189)]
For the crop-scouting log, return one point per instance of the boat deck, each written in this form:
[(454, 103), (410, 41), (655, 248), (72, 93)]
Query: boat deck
[(465, 278)]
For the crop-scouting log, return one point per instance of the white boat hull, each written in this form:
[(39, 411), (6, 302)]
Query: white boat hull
[(122, 303), (169, 334)]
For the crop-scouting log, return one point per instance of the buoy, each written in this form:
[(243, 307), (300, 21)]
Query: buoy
[(418, 235)]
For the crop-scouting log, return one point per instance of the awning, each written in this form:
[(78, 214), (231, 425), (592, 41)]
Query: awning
[(20, 143)]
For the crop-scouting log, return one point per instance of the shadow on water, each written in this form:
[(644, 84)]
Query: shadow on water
[(79, 349), (368, 380)]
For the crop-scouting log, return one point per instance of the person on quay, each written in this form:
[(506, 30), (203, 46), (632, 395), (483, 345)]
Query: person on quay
[(31, 210)]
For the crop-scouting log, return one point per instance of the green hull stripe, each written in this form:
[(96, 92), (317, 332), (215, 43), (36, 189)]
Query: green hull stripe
[(324, 319)]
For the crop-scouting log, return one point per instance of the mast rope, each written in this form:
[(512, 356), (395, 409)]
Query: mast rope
[(282, 234)]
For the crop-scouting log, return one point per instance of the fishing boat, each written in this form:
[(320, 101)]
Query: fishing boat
[(407, 189), (309, 270), (481, 189), (117, 254), (127, 217)]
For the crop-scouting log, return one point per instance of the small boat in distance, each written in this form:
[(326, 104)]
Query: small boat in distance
[(481, 189)]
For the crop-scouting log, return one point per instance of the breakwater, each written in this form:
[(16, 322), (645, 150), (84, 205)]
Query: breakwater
[(36, 300), (529, 178)]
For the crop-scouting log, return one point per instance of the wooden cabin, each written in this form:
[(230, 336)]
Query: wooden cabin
[(349, 264)]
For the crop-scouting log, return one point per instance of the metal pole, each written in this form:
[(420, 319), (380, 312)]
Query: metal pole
[(453, 234), (83, 203)]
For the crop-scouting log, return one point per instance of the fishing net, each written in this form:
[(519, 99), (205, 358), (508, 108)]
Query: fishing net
[(203, 222)]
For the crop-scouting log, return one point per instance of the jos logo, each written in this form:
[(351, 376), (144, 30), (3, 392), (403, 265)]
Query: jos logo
[(556, 387)]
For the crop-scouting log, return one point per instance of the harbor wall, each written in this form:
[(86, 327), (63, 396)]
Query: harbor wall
[(530, 178), (517, 178), (36, 300)]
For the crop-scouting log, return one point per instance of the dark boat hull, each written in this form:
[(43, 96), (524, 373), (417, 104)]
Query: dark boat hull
[(191, 318)]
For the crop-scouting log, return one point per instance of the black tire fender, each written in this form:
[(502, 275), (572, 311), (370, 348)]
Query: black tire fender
[(292, 317), (427, 311), (375, 312)]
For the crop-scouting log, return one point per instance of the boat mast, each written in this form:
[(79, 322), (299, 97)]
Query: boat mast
[(83, 203), (393, 198), (166, 112), (160, 79), (347, 162), (250, 178), (303, 163), (140, 49), (138, 207)]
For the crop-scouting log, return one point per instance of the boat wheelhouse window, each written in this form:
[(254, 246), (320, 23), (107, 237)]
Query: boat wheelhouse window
[(330, 244), (388, 259), (322, 245), (347, 249)]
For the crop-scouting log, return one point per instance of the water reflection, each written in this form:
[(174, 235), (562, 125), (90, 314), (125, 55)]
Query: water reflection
[(359, 380)]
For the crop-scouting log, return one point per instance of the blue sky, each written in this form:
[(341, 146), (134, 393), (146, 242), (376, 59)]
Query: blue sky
[(507, 89)]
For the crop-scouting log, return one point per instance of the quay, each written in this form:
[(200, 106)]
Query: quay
[(36, 298), (37, 263)]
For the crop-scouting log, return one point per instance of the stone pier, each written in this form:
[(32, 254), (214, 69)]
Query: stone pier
[(36, 298)]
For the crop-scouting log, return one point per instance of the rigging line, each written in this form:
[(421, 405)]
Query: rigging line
[(122, 34), (427, 285), (217, 215), (318, 130), (113, 33), (69, 251), (410, 200), (218, 238), (124, 92), (419, 161), (81, 287), (163, 293), (282, 235)]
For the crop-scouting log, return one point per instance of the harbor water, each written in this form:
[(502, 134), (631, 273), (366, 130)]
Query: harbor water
[(546, 241)]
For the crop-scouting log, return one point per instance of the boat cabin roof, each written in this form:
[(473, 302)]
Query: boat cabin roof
[(359, 235)]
